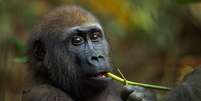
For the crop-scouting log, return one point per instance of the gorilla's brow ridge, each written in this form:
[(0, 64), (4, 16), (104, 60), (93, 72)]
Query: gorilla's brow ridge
[(73, 30), (95, 25)]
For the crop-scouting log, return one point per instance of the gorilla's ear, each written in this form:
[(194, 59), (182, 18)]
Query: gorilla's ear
[(39, 50)]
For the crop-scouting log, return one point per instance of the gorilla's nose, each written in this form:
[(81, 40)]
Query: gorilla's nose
[(98, 60)]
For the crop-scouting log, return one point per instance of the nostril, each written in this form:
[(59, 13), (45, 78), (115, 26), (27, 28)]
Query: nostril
[(94, 58), (100, 57), (97, 58)]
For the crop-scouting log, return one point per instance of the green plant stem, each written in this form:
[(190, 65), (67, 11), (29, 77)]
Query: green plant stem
[(137, 84)]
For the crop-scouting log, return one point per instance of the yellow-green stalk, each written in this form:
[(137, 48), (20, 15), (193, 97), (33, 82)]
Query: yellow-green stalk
[(114, 77)]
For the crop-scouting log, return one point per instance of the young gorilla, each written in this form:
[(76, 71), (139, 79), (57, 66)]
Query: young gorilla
[(69, 58)]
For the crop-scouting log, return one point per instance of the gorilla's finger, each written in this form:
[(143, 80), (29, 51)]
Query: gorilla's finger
[(127, 90)]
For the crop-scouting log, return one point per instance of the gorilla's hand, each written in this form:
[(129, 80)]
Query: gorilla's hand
[(136, 93)]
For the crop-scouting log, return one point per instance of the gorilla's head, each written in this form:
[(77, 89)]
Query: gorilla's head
[(68, 49)]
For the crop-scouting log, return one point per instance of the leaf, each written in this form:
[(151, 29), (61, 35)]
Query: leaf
[(18, 44), (184, 71), (22, 59)]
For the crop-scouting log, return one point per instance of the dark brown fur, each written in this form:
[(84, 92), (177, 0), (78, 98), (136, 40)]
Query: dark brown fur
[(56, 77)]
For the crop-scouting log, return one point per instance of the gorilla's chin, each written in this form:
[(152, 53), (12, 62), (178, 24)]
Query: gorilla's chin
[(99, 83)]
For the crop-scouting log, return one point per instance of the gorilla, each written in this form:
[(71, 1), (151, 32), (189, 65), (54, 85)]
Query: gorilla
[(69, 57)]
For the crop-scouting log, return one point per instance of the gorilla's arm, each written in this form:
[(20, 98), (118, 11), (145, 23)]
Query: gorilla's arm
[(45, 93), (189, 90)]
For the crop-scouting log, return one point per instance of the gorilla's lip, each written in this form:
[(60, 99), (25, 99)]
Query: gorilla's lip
[(99, 75)]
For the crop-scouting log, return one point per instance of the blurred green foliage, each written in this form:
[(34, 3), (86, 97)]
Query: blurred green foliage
[(152, 40)]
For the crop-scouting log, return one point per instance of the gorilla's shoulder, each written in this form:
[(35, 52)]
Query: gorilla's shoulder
[(44, 92), (194, 77)]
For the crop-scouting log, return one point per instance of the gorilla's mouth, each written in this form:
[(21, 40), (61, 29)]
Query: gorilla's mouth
[(99, 75)]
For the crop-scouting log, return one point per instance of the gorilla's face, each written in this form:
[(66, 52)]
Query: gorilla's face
[(88, 45), (79, 53)]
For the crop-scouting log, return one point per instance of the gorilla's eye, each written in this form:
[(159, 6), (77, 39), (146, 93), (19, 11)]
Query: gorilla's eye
[(77, 40), (96, 36)]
